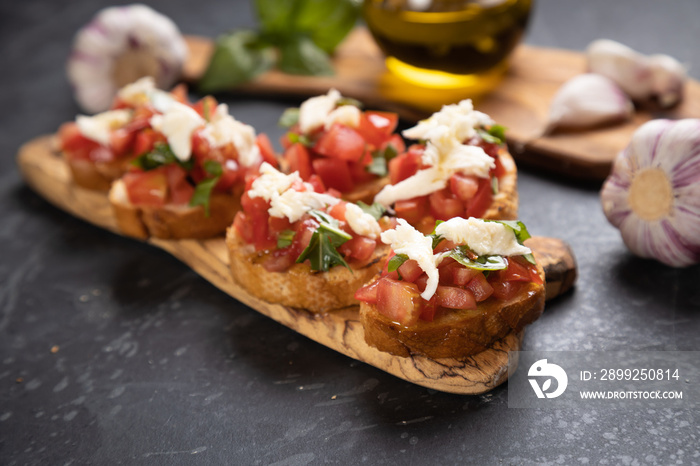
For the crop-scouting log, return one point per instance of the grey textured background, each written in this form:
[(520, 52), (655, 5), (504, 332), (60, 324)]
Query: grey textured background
[(156, 366)]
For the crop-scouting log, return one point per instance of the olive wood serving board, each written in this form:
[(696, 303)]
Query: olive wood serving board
[(44, 170), (520, 102)]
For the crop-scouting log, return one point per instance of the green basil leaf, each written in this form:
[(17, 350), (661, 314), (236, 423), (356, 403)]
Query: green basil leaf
[(300, 55), (285, 238), (518, 227), (159, 156), (378, 166), (376, 210), (494, 185), (321, 253), (330, 227), (213, 168), (499, 132), (300, 138), (481, 263), (237, 58), (396, 261), (202, 193), (530, 258), (289, 118)]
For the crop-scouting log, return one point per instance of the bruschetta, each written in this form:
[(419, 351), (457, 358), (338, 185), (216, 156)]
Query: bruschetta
[(295, 245), (183, 167), (460, 168), (453, 293), (347, 148)]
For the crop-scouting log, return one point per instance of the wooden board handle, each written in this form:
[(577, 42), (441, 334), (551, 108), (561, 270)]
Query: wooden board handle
[(341, 330)]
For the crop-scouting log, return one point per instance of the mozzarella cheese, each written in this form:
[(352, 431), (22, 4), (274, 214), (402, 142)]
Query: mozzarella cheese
[(484, 238), (347, 115), (461, 119), (144, 91), (314, 111), (98, 127), (422, 183), (224, 129), (177, 125), (361, 222), (271, 182), (404, 239)]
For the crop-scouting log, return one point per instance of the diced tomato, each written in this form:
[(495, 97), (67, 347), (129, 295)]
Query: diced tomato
[(74, 143), (500, 170), (179, 92), (413, 210), (317, 183), (232, 173), (278, 225), (505, 290), (464, 186), (359, 247), (299, 160), (285, 141), (482, 200), (120, 141), (405, 165), (241, 223), (480, 287), (429, 309), (147, 188), (516, 272), (146, 139), (140, 119), (446, 269), (443, 246), (334, 173), (444, 207), (377, 127), (455, 298), (358, 170), (368, 293), (462, 275), (266, 149), (422, 282), (279, 260), (304, 232), (256, 216), (341, 142), (206, 107), (338, 211), (399, 301), (410, 271), (179, 188), (397, 142)]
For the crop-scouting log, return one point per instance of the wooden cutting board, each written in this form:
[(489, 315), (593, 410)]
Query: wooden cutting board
[(48, 175), (520, 103)]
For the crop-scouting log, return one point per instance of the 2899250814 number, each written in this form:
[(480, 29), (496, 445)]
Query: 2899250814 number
[(639, 374)]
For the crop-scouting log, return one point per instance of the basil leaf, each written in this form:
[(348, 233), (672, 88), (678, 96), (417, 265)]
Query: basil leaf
[(237, 58), (494, 185), (202, 193), (481, 263), (161, 155), (300, 55), (376, 210), (213, 168), (336, 236), (518, 227), (396, 261), (378, 166), (285, 238), (289, 118), (300, 138), (496, 134), (321, 253)]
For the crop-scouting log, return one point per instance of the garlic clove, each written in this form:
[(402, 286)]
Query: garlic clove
[(643, 78), (588, 100), (653, 192), (120, 45)]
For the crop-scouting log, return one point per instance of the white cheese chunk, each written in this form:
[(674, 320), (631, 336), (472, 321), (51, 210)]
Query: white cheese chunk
[(347, 115), (271, 182), (361, 222), (422, 183), (98, 127), (404, 239), (138, 92), (314, 111), (461, 120), (224, 129), (177, 125), (484, 238)]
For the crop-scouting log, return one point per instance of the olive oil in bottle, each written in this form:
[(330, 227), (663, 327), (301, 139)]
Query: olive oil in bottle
[(447, 43)]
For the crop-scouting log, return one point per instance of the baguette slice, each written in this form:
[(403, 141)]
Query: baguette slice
[(505, 202), (173, 221), (457, 334), (300, 287), (95, 175)]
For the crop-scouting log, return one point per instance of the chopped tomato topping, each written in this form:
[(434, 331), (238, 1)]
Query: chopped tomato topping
[(341, 142), (399, 301), (334, 173)]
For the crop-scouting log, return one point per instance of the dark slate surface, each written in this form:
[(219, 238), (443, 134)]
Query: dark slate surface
[(156, 366)]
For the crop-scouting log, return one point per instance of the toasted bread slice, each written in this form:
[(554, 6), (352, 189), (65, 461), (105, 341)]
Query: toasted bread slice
[(95, 175), (300, 287), (365, 192), (505, 202), (457, 334), (173, 221)]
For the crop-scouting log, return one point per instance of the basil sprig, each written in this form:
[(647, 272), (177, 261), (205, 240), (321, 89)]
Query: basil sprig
[(462, 255), (203, 190), (160, 155), (376, 210), (521, 234), (289, 118), (396, 262), (285, 238), (496, 134), (297, 36), (322, 250)]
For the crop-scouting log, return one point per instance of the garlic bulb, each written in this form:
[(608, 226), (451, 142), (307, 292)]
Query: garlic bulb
[(120, 45), (653, 192), (643, 78), (588, 100)]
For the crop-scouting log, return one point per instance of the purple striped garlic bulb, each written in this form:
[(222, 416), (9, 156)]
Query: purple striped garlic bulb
[(653, 192), (120, 45)]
